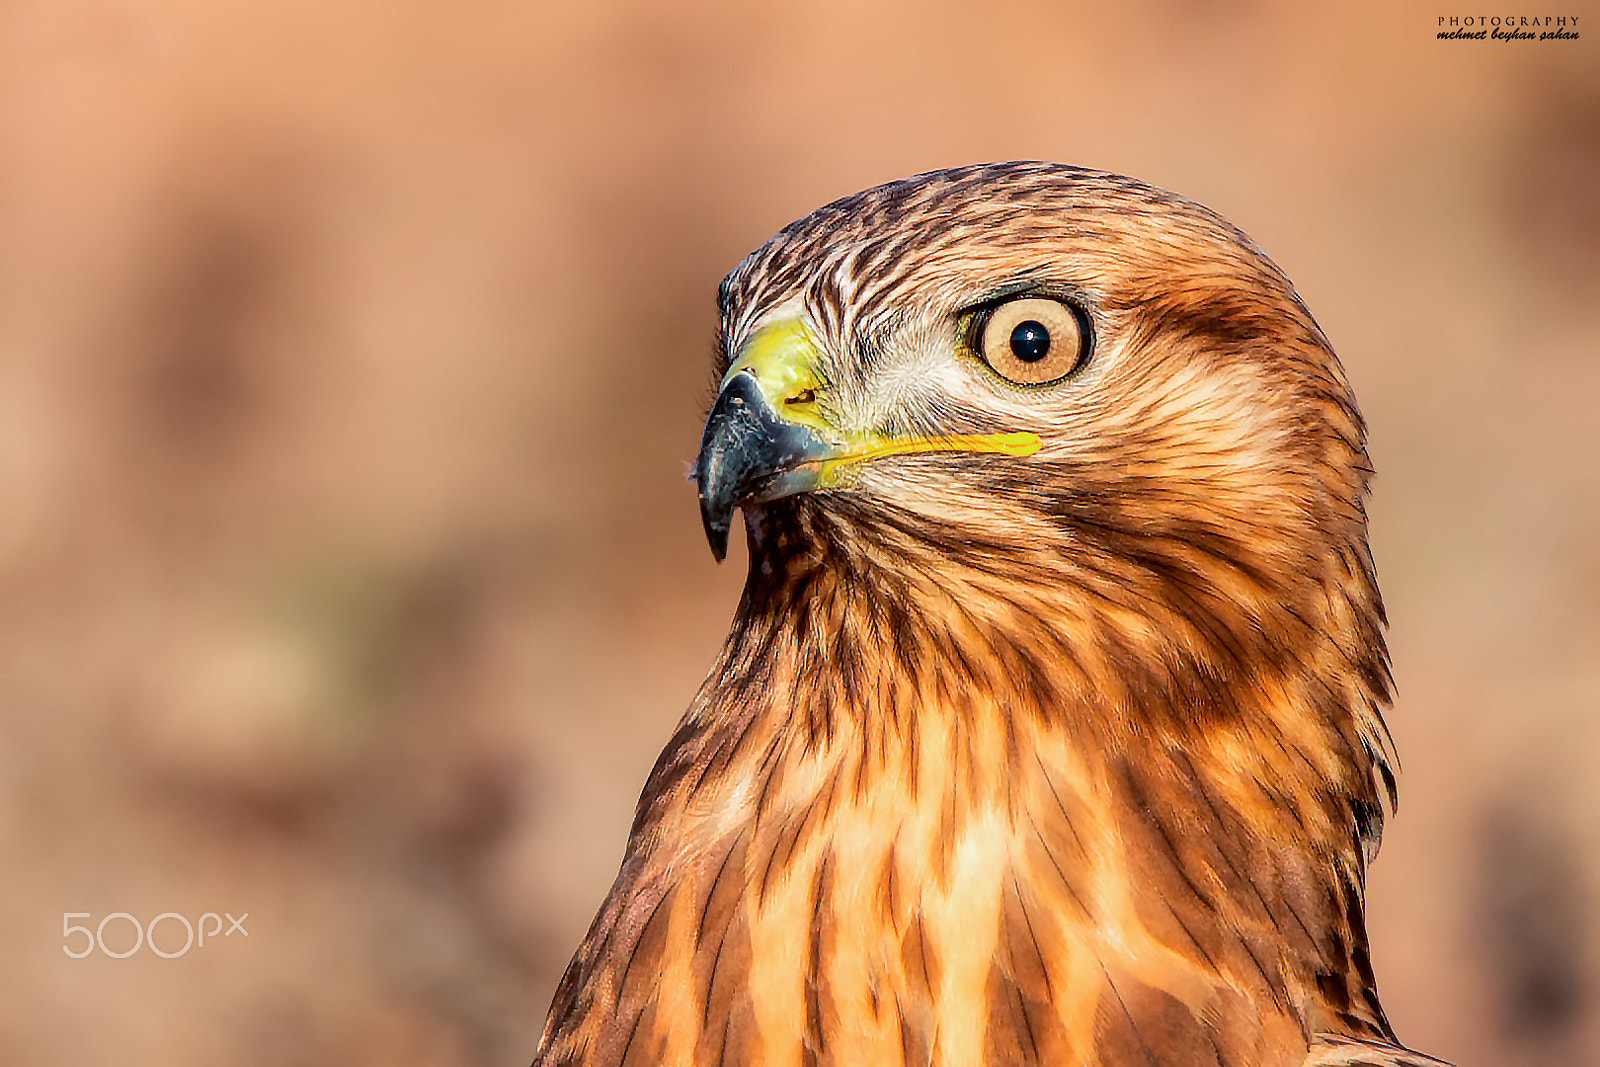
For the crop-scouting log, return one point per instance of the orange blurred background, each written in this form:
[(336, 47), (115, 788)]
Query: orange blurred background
[(352, 356)]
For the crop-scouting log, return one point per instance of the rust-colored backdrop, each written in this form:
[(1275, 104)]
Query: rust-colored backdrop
[(351, 357)]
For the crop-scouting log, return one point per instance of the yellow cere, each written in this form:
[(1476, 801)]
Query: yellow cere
[(786, 364)]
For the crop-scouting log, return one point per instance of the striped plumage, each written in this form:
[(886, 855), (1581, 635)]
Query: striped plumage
[(1066, 758)]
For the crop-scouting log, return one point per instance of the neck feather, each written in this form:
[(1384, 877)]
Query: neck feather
[(1040, 806)]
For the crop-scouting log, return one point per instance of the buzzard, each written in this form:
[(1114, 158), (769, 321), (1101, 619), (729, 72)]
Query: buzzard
[(1049, 727)]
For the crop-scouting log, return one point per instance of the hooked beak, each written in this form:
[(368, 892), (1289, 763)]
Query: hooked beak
[(764, 438), (750, 454)]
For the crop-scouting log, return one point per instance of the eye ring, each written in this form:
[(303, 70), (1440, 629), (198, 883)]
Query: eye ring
[(1032, 340)]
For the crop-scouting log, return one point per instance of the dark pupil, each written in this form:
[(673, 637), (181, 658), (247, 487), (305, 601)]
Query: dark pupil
[(1030, 341)]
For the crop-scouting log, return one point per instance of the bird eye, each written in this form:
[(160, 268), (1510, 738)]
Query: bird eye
[(1032, 341)]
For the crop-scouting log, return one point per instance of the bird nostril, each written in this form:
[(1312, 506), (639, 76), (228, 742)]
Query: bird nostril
[(805, 397)]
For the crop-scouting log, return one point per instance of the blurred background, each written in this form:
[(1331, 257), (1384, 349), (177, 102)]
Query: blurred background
[(352, 356)]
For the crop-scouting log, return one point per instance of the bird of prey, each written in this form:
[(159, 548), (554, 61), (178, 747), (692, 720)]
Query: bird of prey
[(1049, 727)]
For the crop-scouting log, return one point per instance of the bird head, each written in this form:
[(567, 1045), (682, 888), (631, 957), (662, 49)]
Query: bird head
[(1104, 385)]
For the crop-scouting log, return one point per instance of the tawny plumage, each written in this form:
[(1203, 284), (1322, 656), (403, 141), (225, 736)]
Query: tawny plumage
[(1048, 731)]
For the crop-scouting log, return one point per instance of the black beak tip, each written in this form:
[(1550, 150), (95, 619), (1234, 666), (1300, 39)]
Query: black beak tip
[(716, 531), (717, 497)]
